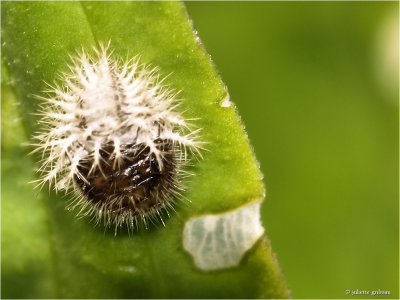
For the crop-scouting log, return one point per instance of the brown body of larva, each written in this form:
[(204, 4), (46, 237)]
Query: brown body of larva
[(137, 185), (124, 108)]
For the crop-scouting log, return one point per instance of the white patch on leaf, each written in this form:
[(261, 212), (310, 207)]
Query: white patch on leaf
[(226, 102), (220, 241)]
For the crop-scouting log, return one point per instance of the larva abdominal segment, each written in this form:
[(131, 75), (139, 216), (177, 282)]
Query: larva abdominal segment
[(113, 136)]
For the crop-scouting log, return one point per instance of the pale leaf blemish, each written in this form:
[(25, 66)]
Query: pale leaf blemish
[(226, 102), (127, 269), (220, 241)]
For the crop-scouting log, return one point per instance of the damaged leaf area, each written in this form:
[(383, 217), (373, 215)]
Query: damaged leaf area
[(220, 241), (50, 253)]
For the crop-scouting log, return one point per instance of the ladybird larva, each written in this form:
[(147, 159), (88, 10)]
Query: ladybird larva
[(112, 134)]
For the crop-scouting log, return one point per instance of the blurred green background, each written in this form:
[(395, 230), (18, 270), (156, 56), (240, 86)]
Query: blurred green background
[(316, 84)]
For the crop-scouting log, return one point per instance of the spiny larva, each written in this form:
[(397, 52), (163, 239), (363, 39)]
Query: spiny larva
[(113, 136)]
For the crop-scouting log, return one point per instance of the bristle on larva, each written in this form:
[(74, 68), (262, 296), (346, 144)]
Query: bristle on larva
[(113, 136)]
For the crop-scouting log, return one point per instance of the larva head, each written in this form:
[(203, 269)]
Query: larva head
[(113, 136)]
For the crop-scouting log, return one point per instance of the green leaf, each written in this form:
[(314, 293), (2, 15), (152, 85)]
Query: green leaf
[(47, 251)]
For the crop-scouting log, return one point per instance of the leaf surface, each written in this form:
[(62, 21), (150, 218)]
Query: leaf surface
[(69, 257)]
